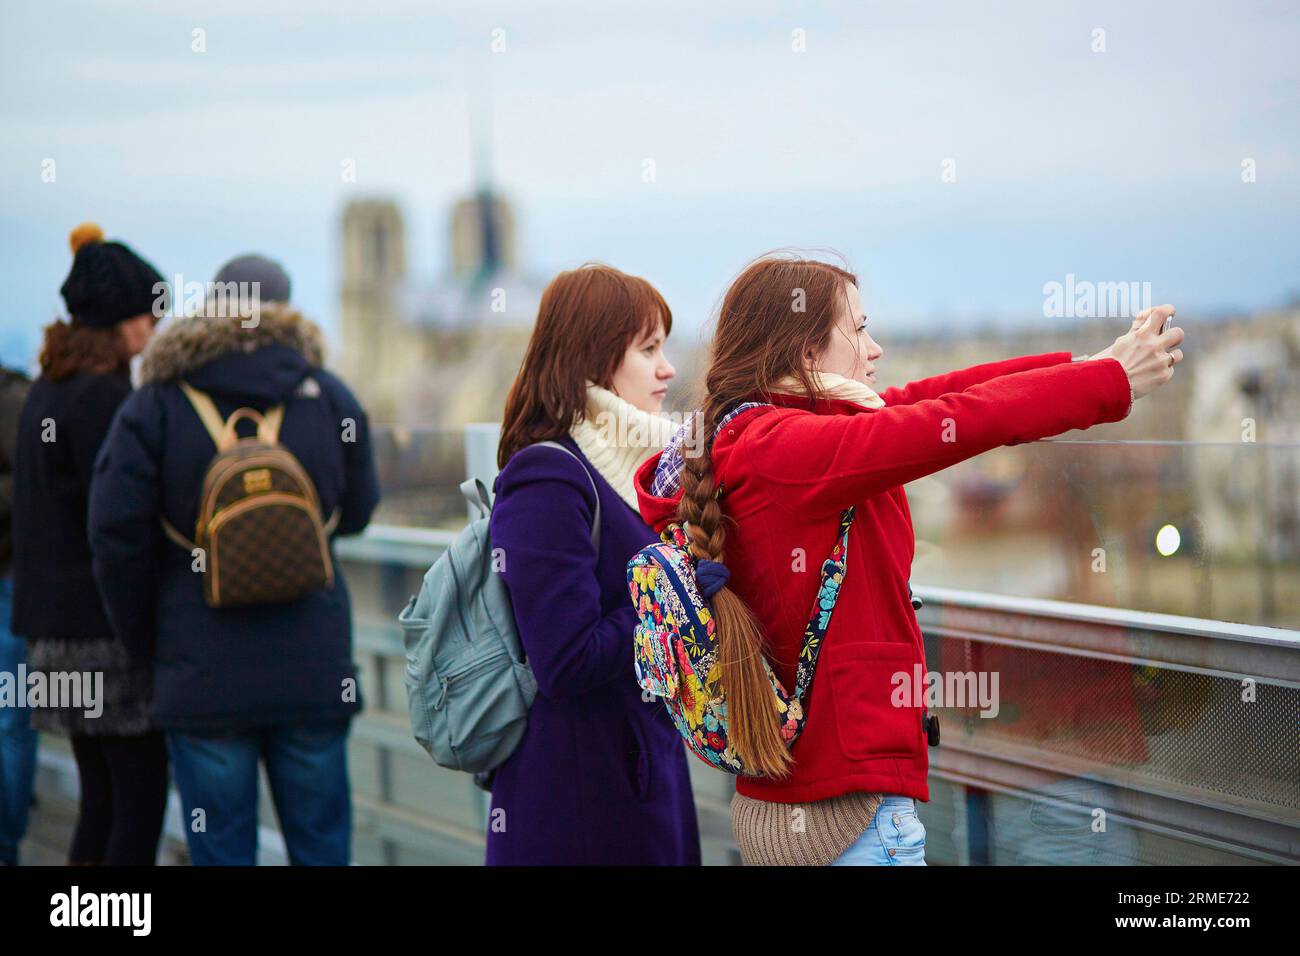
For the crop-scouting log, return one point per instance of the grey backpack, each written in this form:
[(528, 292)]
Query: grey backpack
[(467, 683)]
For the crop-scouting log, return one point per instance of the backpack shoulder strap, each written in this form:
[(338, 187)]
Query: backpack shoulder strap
[(833, 569), (595, 522), (272, 419), (207, 411), (214, 424), (222, 430), (268, 429)]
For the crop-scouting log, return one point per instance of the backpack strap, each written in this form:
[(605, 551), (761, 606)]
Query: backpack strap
[(476, 492), (223, 435), (272, 419), (828, 594), (207, 411), (595, 521), (222, 430), (832, 576), (176, 537)]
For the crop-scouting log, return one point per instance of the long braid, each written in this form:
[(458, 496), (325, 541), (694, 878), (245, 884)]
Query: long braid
[(753, 723)]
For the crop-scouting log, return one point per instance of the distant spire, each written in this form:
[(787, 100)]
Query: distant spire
[(484, 198)]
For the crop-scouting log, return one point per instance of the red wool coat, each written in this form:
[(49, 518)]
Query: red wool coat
[(788, 473)]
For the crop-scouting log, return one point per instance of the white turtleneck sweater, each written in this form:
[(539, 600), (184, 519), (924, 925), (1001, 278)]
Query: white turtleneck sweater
[(835, 386), (617, 437)]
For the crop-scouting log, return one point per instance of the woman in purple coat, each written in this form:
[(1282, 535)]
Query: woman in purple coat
[(600, 777)]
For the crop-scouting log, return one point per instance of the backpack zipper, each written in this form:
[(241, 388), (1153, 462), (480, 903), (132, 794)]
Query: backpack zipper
[(666, 565), (445, 681), (214, 482)]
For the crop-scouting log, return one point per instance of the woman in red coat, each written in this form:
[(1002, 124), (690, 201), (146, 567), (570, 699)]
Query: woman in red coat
[(792, 333)]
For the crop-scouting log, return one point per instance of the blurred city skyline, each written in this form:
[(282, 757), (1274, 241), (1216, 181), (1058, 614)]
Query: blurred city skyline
[(1122, 165)]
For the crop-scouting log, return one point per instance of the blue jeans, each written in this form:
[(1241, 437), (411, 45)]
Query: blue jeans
[(306, 764), (896, 837), (17, 742)]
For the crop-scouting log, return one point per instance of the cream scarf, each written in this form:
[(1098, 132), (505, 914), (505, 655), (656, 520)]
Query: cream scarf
[(617, 437), (836, 386)]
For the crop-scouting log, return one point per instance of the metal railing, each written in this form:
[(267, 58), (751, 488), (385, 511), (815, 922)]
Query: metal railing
[(1182, 734), (1186, 732), (1120, 737)]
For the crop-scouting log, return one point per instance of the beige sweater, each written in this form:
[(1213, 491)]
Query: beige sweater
[(616, 437), (800, 834)]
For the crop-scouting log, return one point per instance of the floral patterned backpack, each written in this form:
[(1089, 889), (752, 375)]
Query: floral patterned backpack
[(677, 649)]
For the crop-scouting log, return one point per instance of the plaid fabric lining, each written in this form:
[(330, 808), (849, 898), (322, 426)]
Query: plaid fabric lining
[(668, 473)]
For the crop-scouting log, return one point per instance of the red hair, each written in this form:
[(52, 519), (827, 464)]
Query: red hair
[(70, 348), (586, 322)]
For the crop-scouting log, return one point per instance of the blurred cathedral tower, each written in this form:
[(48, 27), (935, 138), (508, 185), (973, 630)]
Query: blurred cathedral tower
[(439, 355), (482, 236), (374, 271)]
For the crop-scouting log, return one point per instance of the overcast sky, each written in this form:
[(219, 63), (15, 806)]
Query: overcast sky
[(1116, 166)]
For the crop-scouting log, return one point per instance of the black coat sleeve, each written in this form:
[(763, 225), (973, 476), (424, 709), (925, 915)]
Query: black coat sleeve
[(124, 521), (360, 493)]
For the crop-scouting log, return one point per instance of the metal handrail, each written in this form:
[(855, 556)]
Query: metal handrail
[(1255, 829), (1219, 648)]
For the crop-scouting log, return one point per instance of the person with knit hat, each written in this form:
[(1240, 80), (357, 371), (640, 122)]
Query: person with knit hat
[(264, 277), (114, 299), (242, 285), (271, 685)]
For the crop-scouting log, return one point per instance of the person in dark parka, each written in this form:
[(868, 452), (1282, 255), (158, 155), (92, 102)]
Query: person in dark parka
[(113, 302), (233, 686)]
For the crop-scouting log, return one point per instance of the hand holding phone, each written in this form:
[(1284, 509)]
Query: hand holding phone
[(1148, 363)]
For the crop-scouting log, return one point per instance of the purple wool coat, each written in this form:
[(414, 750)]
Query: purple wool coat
[(600, 777)]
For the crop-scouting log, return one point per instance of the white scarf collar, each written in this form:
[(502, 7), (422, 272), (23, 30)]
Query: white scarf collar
[(617, 437), (835, 386)]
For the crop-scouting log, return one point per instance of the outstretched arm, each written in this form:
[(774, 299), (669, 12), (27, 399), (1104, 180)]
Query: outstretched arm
[(963, 379), (819, 464)]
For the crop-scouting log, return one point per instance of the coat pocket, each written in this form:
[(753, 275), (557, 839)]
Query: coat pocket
[(638, 764), (863, 686)]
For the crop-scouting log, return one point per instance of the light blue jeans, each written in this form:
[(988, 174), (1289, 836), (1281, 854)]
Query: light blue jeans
[(896, 837)]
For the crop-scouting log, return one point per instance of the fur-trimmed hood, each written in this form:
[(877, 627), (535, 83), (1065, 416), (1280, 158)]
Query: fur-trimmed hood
[(188, 344)]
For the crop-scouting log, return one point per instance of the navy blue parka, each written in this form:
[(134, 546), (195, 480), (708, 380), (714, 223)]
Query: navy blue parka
[(228, 669)]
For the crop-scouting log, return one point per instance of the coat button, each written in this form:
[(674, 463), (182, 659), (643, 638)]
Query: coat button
[(891, 851)]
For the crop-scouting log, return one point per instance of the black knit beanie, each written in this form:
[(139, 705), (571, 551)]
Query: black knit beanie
[(108, 282)]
